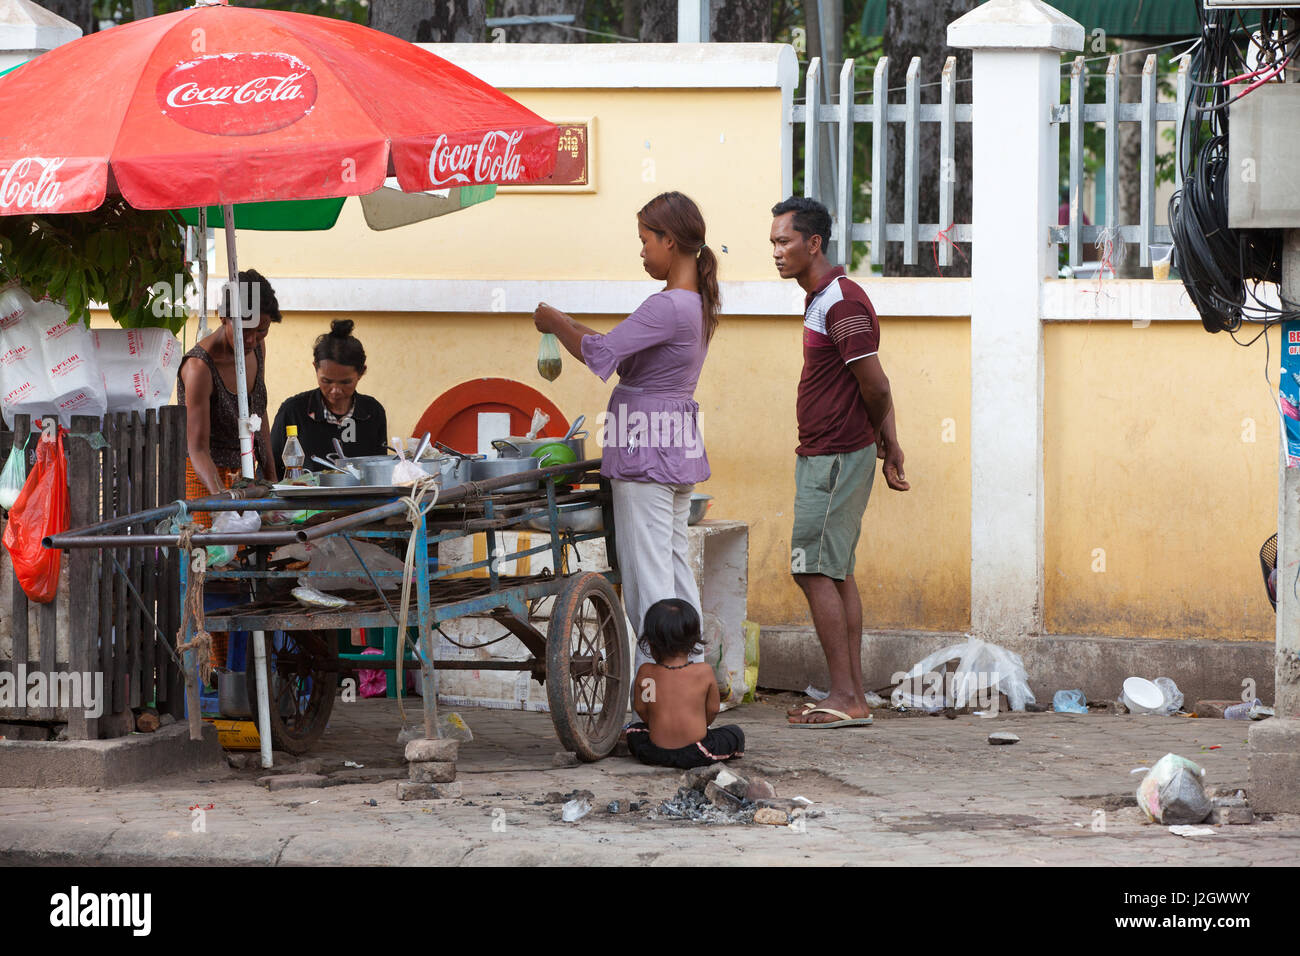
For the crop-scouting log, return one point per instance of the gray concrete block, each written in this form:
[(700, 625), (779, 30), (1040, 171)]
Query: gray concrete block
[(433, 771), (108, 763), (424, 749), (1275, 765), (1222, 816), (350, 775), (412, 790)]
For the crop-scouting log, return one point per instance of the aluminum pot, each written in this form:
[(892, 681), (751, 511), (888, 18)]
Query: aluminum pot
[(498, 467), (519, 447), (452, 470), (337, 479)]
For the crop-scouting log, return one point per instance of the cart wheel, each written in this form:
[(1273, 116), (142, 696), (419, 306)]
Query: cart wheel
[(301, 690), (587, 666)]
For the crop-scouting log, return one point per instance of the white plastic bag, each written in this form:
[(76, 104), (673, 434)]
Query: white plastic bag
[(48, 365), (983, 670), (139, 367), (1171, 792), (230, 522), (1173, 697)]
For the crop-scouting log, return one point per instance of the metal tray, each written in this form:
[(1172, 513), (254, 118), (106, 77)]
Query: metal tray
[(315, 491)]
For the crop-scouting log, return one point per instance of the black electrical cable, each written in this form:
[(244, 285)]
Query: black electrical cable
[(1222, 267)]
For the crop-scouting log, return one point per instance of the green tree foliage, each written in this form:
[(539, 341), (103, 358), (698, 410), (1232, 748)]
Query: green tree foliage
[(115, 255)]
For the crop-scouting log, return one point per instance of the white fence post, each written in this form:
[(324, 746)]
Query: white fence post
[(1017, 76), (28, 30)]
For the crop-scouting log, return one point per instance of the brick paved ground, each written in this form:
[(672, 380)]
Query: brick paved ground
[(918, 790)]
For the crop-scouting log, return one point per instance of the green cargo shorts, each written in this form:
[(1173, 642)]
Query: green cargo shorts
[(830, 498)]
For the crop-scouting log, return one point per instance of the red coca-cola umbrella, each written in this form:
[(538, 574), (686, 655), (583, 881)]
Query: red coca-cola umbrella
[(217, 105)]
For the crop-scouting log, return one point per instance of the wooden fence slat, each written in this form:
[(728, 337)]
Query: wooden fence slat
[(135, 619), (174, 417), (18, 610), (83, 600), (148, 636), (122, 504), (108, 509)]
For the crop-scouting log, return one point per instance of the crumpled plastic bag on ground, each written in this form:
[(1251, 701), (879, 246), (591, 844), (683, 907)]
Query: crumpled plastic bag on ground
[(1172, 793), (1070, 702), (983, 671), (733, 657)]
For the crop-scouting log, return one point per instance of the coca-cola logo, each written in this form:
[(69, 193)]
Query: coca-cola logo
[(31, 183), (238, 94), (493, 159)]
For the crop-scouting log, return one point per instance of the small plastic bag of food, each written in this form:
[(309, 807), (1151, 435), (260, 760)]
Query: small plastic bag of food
[(14, 476), (549, 365)]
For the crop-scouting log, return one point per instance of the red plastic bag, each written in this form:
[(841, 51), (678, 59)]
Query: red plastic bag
[(41, 510)]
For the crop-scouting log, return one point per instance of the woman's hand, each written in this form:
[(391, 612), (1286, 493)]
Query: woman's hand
[(547, 318)]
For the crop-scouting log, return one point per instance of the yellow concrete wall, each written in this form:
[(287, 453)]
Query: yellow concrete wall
[(1161, 450), (720, 147), (914, 557)]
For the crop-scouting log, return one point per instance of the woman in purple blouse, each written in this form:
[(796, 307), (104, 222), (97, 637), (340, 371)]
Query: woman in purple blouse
[(653, 453)]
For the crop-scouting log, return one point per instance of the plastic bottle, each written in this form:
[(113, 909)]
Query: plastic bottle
[(1241, 711), (293, 455)]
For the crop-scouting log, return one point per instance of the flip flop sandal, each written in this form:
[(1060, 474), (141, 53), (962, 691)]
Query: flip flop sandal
[(844, 719)]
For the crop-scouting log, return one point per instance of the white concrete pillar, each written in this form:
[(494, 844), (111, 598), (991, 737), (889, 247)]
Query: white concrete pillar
[(1016, 48), (28, 30), (692, 21)]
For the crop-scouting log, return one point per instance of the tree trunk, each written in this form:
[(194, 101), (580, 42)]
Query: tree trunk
[(913, 29), (658, 21), (1129, 164), (740, 21), (543, 33), (430, 21), (76, 11), (631, 25)]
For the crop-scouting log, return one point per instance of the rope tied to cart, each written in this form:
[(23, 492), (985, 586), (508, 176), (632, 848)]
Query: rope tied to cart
[(192, 610), (416, 509)]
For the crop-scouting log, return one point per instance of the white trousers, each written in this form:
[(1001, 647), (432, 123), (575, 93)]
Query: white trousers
[(650, 528)]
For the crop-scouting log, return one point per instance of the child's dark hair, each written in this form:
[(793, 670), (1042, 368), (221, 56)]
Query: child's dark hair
[(671, 627), (339, 345), (264, 299)]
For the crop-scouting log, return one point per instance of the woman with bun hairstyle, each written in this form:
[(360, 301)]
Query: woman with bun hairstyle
[(652, 450), (334, 409)]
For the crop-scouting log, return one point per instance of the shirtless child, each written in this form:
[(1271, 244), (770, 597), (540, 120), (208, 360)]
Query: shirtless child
[(677, 700)]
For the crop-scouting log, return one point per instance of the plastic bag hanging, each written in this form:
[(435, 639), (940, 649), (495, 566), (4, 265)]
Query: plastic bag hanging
[(549, 365), (41, 510), (14, 476)]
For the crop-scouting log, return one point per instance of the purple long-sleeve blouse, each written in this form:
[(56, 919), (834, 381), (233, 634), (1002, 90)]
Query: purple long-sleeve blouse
[(650, 430)]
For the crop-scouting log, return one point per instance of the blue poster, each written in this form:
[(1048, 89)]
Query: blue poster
[(1289, 391)]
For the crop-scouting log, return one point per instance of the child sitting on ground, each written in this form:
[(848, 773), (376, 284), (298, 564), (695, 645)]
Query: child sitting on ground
[(677, 700)]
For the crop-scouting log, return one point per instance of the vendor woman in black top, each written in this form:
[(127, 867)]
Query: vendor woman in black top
[(335, 409)]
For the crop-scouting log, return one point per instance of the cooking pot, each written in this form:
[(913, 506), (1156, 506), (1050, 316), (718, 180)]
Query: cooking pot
[(483, 468), (516, 446), (337, 479)]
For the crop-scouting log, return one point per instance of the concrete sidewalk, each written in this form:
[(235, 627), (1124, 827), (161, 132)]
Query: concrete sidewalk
[(914, 790)]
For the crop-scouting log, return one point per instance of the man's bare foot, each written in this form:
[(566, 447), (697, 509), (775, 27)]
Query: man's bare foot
[(847, 705), (798, 709)]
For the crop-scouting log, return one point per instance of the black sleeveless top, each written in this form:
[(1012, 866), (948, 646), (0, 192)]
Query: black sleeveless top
[(223, 409)]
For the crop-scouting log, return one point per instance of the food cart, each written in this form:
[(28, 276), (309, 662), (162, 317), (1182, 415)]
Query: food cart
[(582, 656)]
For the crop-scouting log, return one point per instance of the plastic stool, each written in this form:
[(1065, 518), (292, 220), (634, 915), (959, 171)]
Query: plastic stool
[(389, 635)]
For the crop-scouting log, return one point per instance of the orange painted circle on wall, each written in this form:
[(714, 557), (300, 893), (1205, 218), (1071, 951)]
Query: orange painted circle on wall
[(453, 417)]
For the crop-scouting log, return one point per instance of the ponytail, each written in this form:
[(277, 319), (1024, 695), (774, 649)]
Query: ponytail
[(706, 270), (676, 215)]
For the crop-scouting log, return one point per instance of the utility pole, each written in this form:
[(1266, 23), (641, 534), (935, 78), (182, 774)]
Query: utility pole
[(1275, 743)]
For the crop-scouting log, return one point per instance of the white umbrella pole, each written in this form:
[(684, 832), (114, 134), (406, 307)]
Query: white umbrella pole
[(246, 467), (203, 272)]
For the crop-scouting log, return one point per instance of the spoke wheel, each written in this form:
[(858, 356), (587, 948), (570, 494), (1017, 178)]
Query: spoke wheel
[(587, 663), (300, 688)]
